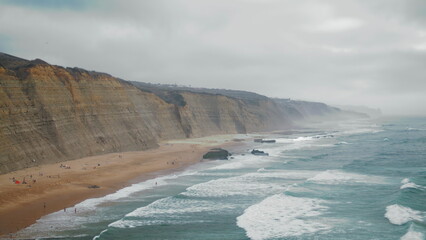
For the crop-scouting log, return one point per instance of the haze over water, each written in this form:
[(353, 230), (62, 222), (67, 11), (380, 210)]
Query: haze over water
[(359, 180)]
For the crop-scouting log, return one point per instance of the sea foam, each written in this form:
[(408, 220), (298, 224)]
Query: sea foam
[(341, 177), (240, 161), (415, 129), (127, 191), (399, 215), (67, 220), (170, 210), (172, 206), (342, 143), (139, 223), (244, 185), (257, 183), (300, 139), (412, 185), (282, 174), (362, 130), (412, 234), (281, 216), (407, 184)]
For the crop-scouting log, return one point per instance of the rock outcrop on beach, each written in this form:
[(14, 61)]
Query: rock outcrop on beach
[(51, 114), (217, 154), (259, 153)]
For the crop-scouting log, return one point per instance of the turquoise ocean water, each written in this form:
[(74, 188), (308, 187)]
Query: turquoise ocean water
[(353, 180)]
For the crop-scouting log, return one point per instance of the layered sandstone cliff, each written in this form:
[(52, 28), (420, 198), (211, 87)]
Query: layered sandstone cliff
[(52, 114)]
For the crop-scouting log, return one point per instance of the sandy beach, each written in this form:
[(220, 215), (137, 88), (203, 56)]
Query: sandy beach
[(53, 187)]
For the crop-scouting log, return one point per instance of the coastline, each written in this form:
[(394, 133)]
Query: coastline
[(56, 188)]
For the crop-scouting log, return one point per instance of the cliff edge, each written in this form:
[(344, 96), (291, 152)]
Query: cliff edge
[(51, 114)]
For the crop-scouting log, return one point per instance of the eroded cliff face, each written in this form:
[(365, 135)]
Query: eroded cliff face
[(52, 114), (207, 114)]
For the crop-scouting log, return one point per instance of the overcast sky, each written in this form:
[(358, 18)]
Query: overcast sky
[(355, 52)]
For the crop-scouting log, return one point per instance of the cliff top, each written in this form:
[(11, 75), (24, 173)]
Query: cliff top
[(163, 90), (168, 92), (9, 61), (12, 63)]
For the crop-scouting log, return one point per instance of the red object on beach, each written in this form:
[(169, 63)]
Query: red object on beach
[(17, 182)]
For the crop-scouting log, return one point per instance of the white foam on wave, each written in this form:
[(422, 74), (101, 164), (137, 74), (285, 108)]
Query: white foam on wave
[(217, 174), (284, 140), (233, 186), (99, 235), (399, 215), (287, 144), (361, 130), (127, 191), (139, 223), (172, 206), (342, 143), (411, 185), (405, 180), (249, 160), (241, 161), (250, 184), (61, 220), (282, 174), (281, 216), (341, 177), (412, 234), (297, 139), (407, 184), (229, 166), (300, 139), (415, 129), (275, 151), (170, 210)]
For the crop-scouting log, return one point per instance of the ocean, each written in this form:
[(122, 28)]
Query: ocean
[(361, 179)]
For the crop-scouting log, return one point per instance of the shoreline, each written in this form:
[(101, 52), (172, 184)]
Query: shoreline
[(58, 186)]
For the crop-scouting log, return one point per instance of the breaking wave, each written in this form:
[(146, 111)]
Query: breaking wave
[(341, 177), (281, 216), (400, 215)]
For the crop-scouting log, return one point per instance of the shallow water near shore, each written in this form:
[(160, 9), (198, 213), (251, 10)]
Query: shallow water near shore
[(353, 180)]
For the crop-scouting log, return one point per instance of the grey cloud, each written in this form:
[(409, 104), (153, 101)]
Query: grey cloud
[(336, 51)]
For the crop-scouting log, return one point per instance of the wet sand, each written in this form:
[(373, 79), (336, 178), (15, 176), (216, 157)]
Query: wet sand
[(56, 187)]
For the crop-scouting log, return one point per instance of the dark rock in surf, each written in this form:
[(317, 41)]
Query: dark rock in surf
[(217, 154), (260, 140), (259, 153)]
